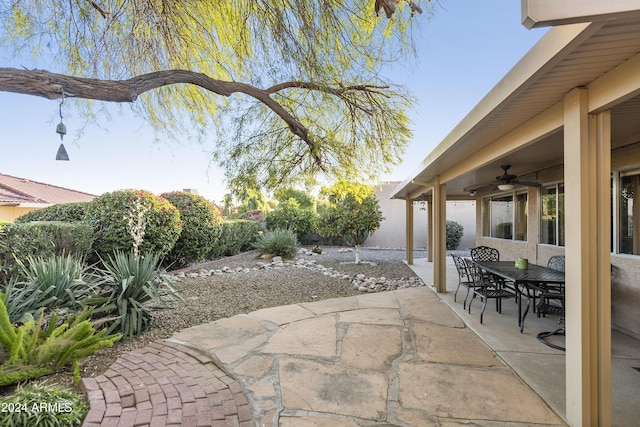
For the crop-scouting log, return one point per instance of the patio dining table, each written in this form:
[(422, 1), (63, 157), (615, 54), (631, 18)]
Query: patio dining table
[(521, 280)]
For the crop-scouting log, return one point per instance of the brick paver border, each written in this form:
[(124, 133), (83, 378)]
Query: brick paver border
[(165, 384)]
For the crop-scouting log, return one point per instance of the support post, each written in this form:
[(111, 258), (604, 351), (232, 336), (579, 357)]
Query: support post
[(587, 151), (409, 230), (439, 236), (429, 231)]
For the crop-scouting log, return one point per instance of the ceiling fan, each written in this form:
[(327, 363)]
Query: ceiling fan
[(504, 182)]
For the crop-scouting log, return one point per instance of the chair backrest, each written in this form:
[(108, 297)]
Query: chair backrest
[(556, 262), (475, 273), (461, 266), (485, 253)]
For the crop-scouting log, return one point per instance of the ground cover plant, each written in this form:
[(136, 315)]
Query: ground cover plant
[(43, 404)]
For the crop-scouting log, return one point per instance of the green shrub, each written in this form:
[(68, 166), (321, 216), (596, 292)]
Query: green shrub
[(34, 351), (132, 288), (44, 239), (236, 236), (282, 243), (68, 212), (42, 404), (454, 234), (201, 221), (289, 216), (137, 219)]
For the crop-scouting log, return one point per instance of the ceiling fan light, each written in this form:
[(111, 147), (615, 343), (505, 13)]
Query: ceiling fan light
[(505, 187)]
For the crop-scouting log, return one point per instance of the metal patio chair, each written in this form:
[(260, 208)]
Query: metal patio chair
[(486, 288), (464, 278)]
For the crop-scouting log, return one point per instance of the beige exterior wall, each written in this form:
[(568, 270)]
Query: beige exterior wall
[(392, 231), (625, 269), (10, 213)]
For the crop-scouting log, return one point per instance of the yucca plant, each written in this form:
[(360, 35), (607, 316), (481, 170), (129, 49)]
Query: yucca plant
[(24, 301), (59, 281), (134, 288), (42, 404)]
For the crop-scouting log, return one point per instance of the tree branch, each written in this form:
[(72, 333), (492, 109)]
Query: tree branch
[(53, 86)]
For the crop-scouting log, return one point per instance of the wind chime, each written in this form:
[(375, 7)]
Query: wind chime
[(62, 130)]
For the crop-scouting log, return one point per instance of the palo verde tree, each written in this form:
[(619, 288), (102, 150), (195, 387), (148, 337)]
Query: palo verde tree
[(292, 89), (353, 213)]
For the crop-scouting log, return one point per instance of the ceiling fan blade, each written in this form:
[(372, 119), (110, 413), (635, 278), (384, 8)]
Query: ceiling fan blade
[(528, 183), (478, 186)]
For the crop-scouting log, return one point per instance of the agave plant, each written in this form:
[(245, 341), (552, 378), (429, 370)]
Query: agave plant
[(57, 282), (133, 289)]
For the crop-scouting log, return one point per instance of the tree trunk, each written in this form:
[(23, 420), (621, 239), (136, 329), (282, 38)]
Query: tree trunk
[(357, 254)]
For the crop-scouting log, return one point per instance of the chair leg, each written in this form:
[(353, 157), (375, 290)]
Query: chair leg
[(464, 304), (471, 302), (484, 305)]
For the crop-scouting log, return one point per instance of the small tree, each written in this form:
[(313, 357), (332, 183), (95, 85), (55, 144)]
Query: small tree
[(289, 215), (305, 200), (353, 215)]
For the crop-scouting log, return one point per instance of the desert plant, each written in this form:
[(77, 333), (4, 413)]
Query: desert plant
[(454, 234), (24, 302), (132, 288), (43, 404), (201, 227), (117, 222), (282, 243), (59, 281), (34, 351), (236, 236)]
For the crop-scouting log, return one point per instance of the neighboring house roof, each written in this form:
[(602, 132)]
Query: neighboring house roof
[(20, 191)]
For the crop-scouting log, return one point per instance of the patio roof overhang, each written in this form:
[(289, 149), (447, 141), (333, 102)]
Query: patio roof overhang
[(519, 122)]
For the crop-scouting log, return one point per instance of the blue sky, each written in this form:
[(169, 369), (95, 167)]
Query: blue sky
[(463, 51)]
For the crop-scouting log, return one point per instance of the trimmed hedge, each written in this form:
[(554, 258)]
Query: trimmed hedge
[(43, 239), (127, 219), (69, 212), (201, 228)]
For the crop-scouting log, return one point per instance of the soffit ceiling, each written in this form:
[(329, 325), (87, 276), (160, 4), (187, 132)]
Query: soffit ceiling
[(594, 52)]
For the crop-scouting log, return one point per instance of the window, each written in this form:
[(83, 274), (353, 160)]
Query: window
[(629, 229), (505, 216), (552, 215)]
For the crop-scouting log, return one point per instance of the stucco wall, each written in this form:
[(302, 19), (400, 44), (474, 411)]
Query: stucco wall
[(392, 230), (10, 213), (391, 233)]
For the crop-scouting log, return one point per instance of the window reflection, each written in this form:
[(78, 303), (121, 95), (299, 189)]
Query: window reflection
[(629, 234), (552, 215), (505, 217)]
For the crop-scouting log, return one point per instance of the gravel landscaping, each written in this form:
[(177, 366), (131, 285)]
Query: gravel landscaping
[(250, 283)]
